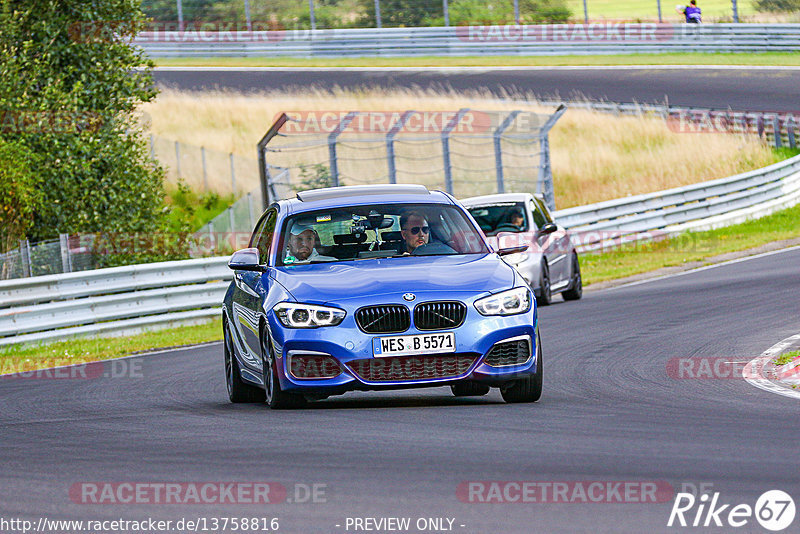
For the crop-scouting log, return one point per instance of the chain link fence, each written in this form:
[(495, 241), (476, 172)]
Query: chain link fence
[(465, 152), (63, 255)]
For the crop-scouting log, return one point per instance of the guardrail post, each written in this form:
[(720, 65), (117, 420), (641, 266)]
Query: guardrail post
[(312, 15), (545, 182), (776, 130), (498, 150), (66, 259), (205, 174), (178, 158), (233, 177), (250, 209), (660, 20), (735, 11), (790, 126), (334, 163), (446, 9), (448, 170), (390, 144), (25, 257), (377, 13)]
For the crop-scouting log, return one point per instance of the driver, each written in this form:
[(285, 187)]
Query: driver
[(517, 219), (302, 240), (415, 230)]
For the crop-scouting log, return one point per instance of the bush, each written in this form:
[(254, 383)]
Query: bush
[(777, 5), (73, 81), (19, 193), (476, 12)]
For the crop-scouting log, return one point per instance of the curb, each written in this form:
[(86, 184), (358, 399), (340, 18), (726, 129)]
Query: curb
[(768, 374)]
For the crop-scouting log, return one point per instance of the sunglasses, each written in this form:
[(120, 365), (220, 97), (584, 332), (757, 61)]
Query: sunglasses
[(417, 229)]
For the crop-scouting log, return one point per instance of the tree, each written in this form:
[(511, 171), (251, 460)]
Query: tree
[(19, 195), (407, 13), (69, 79)]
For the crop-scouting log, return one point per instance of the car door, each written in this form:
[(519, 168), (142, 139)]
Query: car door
[(554, 246), (249, 292)]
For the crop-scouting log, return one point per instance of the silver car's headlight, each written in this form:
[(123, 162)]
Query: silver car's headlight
[(296, 315), (511, 302)]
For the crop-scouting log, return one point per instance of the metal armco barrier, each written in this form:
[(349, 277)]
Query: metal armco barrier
[(547, 39), (116, 300), (702, 206), (128, 299)]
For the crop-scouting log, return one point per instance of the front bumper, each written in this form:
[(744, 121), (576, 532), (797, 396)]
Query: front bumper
[(359, 369)]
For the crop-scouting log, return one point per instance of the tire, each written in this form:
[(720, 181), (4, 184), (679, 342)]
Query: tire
[(238, 390), (469, 389), (275, 397), (575, 290), (545, 295), (528, 389)]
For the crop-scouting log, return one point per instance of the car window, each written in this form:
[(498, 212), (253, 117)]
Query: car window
[(262, 236), (501, 217), (376, 232), (543, 211), (539, 217)]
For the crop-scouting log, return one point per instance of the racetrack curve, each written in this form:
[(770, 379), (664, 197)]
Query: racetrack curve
[(610, 411), (738, 88)]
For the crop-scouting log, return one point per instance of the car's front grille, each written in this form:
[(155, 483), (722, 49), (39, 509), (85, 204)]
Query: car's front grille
[(439, 315), (391, 318), (509, 353), (411, 368), (314, 366)]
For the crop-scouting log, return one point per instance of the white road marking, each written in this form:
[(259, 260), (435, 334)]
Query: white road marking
[(756, 368), (474, 68), (704, 268)]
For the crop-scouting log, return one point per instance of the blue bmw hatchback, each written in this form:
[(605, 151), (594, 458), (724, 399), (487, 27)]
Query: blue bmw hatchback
[(376, 287)]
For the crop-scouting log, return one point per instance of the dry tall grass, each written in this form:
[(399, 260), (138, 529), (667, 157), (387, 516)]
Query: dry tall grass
[(594, 156)]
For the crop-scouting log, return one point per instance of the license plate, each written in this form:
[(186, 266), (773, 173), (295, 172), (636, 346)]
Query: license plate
[(415, 344)]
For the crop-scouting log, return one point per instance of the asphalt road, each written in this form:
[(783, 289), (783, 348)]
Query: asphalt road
[(741, 89), (610, 411)]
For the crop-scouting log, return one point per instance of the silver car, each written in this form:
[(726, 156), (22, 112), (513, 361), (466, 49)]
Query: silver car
[(550, 265)]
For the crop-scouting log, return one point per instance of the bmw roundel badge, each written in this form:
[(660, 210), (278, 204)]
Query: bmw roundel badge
[(409, 297)]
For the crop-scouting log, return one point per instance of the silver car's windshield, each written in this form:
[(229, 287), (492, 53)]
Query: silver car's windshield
[(501, 217), (378, 231)]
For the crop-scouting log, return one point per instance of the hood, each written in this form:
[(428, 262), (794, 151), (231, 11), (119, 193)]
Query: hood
[(323, 283)]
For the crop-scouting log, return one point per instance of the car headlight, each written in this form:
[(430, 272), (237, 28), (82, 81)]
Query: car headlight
[(295, 315), (511, 302)]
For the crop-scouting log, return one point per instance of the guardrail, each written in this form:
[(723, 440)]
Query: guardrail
[(700, 206), (128, 299), (548, 39), (117, 300)]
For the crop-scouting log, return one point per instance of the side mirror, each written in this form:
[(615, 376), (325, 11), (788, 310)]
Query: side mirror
[(245, 259), (512, 250), (547, 229)]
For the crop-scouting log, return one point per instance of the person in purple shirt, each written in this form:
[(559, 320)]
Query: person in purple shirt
[(693, 13)]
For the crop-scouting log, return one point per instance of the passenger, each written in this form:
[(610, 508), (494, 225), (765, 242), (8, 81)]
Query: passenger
[(301, 246), (415, 231)]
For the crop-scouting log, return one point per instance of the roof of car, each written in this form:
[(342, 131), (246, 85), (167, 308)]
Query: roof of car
[(492, 199), (333, 197)]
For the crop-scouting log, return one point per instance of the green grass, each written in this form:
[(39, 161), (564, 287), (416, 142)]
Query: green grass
[(21, 358), (190, 210), (648, 9), (638, 258), (783, 359), (687, 58)]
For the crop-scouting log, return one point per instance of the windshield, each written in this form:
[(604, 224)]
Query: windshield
[(378, 231), (501, 217)]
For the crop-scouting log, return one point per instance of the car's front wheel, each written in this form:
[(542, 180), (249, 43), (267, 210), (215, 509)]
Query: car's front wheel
[(528, 389), (238, 391), (276, 398), (545, 295), (469, 389), (575, 290)]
